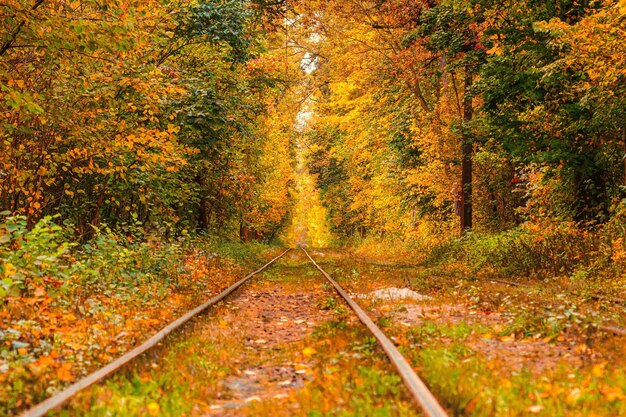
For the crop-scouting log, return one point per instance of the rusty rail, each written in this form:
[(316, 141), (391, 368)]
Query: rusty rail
[(612, 329), (415, 385), (60, 398)]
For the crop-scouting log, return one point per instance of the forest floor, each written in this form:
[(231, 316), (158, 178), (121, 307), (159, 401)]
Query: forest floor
[(285, 344)]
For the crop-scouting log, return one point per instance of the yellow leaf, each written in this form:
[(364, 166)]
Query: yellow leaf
[(599, 369), (9, 269), (153, 408), (69, 317), (308, 351)]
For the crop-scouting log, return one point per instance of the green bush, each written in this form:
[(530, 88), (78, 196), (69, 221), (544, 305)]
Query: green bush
[(554, 249), (32, 257), (45, 255)]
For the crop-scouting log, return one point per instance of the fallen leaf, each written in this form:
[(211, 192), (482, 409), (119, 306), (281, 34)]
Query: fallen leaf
[(508, 339), (471, 406), (574, 395), (598, 369), (46, 361), (612, 393), (153, 408), (69, 317), (64, 372)]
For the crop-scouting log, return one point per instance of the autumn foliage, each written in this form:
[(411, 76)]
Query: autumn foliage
[(145, 109), (488, 133)]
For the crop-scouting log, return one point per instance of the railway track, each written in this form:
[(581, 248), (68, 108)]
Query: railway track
[(415, 386)]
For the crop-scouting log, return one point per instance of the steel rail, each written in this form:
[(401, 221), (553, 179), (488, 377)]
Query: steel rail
[(415, 385), (612, 329), (59, 399)]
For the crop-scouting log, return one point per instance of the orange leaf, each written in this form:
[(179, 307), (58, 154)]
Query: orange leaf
[(46, 361), (612, 393), (64, 372)]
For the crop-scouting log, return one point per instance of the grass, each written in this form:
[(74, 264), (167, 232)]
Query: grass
[(471, 385)]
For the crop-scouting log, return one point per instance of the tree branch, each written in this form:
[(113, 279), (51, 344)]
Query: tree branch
[(9, 42)]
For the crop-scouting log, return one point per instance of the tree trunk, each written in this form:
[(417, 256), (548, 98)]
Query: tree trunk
[(466, 152), (624, 157), (203, 209), (248, 234), (242, 232)]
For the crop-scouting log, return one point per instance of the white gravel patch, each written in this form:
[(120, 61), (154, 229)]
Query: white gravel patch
[(393, 293)]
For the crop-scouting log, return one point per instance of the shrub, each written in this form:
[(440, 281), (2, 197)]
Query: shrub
[(32, 257)]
